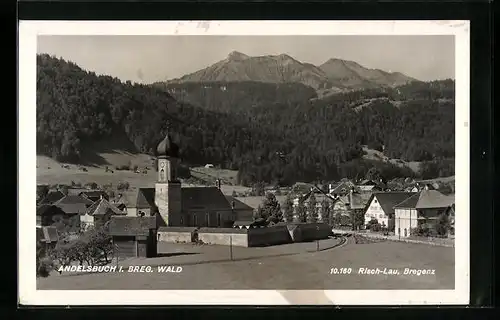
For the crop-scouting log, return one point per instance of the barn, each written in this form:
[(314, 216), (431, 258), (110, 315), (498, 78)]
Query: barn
[(133, 236)]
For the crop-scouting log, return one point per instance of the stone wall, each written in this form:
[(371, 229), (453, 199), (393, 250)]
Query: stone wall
[(224, 236), (176, 234)]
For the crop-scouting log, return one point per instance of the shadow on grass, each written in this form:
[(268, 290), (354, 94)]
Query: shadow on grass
[(174, 254)]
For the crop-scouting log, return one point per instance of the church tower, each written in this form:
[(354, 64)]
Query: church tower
[(168, 187)]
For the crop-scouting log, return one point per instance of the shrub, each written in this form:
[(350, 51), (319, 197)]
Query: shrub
[(123, 185), (44, 266)]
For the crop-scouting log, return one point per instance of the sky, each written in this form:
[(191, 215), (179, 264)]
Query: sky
[(147, 59)]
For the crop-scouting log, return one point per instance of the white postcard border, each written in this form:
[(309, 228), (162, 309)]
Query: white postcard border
[(28, 32)]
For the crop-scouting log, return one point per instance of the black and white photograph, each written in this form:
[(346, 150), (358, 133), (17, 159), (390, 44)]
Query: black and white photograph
[(324, 162)]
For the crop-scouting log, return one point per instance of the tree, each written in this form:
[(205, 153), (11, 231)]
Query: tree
[(312, 214), (373, 174), (288, 208), (258, 189), (325, 212), (443, 224), (357, 219), (270, 209), (337, 219), (301, 212), (234, 194)]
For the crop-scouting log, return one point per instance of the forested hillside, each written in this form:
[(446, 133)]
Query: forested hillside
[(277, 134)]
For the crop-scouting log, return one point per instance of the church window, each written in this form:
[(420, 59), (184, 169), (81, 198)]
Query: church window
[(182, 221), (195, 220), (218, 220)]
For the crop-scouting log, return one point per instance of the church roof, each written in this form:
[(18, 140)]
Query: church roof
[(193, 198), (238, 205), (207, 198)]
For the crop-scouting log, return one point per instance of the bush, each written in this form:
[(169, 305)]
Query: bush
[(123, 185), (44, 266)]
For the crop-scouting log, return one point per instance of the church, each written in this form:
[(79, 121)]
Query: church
[(176, 206)]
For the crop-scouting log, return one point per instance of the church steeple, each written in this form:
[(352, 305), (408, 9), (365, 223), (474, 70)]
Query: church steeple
[(168, 187), (168, 159)]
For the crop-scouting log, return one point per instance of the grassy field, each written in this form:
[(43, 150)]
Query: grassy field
[(51, 172), (288, 267)]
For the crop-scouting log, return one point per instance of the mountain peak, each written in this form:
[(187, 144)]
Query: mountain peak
[(235, 55)]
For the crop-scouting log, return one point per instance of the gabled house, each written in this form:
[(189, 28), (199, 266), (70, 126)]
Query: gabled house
[(372, 185), (47, 214), (423, 207), (98, 214), (73, 205), (380, 206)]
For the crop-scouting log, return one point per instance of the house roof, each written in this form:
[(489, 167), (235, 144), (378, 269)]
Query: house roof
[(76, 191), (427, 199), (388, 200), (358, 200), (52, 196), (47, 234), (74, 204), (238, 205), (94, 194), (101, 207), (131, 226), (43, 209)]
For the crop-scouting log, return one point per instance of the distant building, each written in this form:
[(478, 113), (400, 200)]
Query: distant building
[(423, 207), (380, 206), (133, 236), (47, 214), (98, 214)]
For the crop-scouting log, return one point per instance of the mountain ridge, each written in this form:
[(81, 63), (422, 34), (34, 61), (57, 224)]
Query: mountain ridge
[(333, 76)]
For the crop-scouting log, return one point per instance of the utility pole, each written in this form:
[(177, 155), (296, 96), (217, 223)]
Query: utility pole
[(231, 247)]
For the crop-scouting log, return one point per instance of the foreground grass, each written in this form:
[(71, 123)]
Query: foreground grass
[(276, 268)]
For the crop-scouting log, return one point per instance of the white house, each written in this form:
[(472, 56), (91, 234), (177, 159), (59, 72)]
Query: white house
[(98, 213), (380, 206), (423, 207)]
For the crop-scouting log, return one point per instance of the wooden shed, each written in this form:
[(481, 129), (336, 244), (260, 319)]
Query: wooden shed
[(133, 236)]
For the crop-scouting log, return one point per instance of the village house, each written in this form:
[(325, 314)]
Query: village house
[(176, 206), (133, 236), (98, 214), (423, 207), (380, 207), (47, 214)]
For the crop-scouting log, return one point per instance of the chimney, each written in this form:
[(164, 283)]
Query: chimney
[(233, 204), (218, 184)]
